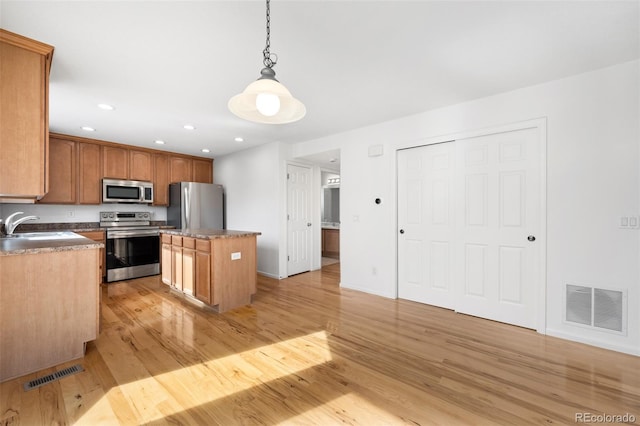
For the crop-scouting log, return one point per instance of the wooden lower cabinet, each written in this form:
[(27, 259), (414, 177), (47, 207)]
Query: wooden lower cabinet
[(219, 271), (331, 243), (49, 309)]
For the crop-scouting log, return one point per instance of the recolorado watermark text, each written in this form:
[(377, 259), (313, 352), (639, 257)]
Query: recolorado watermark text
[(605, 418)]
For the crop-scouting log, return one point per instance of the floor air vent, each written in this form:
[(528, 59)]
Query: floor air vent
[(596, 307), (41, 381)]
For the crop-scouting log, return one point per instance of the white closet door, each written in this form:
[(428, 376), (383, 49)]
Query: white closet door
[(498, 185), (466, 212), (426, 224)]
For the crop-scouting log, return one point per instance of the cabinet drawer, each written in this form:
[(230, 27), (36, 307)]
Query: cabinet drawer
[(176, 241), (203, 245), (166, 239), (188, 242)]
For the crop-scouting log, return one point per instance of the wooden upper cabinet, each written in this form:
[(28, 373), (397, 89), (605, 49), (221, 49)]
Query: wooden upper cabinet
[(140, 165), (180, 169), (63, 172), (115, 162), (160, 180), (203, 171), (24, 122), (89, 173)]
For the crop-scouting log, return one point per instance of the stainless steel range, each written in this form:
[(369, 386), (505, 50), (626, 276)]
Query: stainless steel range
[(132, 245)]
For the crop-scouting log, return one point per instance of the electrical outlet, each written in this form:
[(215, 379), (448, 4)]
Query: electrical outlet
[(71, 213), (633, 222)]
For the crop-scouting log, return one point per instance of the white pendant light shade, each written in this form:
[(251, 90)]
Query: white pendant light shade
[(259, 103)]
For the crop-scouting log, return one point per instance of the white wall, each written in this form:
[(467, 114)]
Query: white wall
[(593, 178), (67, 213), (253, 182)]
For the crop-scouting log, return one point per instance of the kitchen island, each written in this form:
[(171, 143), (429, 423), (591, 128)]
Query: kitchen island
[(49, 300), (217, 267)]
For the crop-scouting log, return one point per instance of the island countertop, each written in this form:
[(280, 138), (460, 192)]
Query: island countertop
[(210, 234)]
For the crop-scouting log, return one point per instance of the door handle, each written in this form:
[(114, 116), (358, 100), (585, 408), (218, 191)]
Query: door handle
[(531, 238), (308, 223), (402, 231)]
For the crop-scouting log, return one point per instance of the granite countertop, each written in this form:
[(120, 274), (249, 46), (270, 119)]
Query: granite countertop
[(63, 242), (209, 233), (75, 226)]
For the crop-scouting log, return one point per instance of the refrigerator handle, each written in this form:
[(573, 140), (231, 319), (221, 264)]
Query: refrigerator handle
[(187, 206)]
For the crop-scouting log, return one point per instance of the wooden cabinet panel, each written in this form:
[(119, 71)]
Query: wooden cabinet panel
[(140, 165), (115, 162), (98, 236), (63, 172), (24, 122), (188, 270), (203, 171), (180, 169), (89, 173), (166, 262), (203, 275), (160, 180), (331, 243), (176, 267)]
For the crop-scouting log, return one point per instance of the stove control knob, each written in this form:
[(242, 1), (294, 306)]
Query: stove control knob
[(146, 215), (111, 215)]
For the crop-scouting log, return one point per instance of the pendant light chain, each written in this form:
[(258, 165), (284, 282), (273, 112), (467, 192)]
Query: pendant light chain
[(270, 59)]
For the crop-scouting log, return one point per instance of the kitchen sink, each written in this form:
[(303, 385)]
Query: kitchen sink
[(42, 236)]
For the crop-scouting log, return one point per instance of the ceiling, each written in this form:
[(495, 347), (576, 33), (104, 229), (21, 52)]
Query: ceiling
[(352, 63)]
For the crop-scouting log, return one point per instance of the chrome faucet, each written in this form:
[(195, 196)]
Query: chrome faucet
[(10, 225)]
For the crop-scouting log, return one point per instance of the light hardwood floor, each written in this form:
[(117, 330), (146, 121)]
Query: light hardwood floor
[(307, 352)]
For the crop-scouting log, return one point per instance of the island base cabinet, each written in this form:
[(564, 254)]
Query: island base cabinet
[(218, 272), (48, 309)]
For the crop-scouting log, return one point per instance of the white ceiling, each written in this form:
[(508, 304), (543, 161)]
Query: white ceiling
[(353, 63)]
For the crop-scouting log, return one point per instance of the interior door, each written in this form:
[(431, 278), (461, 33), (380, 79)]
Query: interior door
[(469, 221), (496, 264), (298, 219), (426, 224)]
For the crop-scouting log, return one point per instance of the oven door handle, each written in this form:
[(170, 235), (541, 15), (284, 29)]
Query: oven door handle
[(129, 234)]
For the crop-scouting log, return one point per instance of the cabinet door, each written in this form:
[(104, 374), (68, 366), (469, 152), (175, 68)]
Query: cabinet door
[(180, 169), (188, 270), (176, 267), (115, 162), (203, 276), (89, 173), (166, 259), (63, 172), (203, 171), (24, 124), (140, 165), (160, 180)]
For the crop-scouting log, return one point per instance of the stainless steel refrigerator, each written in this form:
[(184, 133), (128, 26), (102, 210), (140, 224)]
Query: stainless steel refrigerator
[(196, 206)]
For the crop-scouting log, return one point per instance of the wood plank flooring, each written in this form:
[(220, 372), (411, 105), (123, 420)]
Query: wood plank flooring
[(307, 352)]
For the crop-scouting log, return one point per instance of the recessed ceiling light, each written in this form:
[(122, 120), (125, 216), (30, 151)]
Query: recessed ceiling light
[(206, 150), (159, 142), (239, 139), (88, 129), (189, 127), (106, 107)]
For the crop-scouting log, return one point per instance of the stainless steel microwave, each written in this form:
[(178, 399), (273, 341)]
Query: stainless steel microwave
[(127, 191)]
